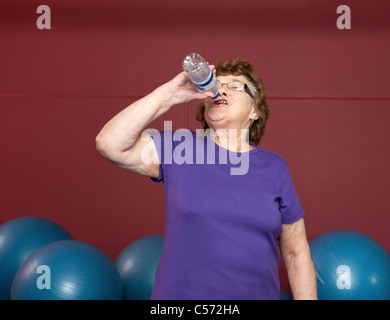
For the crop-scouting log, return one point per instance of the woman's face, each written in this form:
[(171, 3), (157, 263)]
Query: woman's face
[(232, 109)]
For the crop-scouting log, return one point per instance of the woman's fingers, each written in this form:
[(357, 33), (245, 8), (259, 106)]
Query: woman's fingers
[(212, 68)]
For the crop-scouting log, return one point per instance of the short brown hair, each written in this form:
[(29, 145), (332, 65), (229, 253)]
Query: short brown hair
[(240, 67)]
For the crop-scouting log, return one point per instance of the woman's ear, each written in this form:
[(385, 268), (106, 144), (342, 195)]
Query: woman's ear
[(254, 116)]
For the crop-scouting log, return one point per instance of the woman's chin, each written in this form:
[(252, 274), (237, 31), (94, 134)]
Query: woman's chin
[(215, 116)]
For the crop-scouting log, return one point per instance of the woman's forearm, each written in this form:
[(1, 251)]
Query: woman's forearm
[(122, 131), (302, 277)]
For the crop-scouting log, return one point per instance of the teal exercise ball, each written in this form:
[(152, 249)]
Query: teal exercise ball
[(19, 238), (67, 270), (137, 265), (284, 295), (350, 266)]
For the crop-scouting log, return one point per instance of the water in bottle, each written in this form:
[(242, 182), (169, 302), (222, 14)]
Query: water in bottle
[(200, 73)]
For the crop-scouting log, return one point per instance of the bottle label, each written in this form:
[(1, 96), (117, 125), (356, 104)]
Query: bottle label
[(216, 96), (207, 84)]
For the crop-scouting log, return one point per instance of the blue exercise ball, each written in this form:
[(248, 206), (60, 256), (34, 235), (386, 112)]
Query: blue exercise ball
[(19, 238), (67, 270), (284, 295), (350, 266), (137, 265)]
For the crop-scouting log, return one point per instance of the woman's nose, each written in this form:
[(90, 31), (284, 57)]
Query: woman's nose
[(222, 90)]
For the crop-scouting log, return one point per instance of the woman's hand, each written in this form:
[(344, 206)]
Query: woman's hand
[(182, 89)]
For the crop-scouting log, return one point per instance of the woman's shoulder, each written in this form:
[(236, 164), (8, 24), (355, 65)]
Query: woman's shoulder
[(271, 156)]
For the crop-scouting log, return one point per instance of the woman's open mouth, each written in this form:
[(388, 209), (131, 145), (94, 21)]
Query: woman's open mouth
[(219, 102)]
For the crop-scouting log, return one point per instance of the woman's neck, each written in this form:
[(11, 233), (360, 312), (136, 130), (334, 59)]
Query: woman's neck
[(233, 139)]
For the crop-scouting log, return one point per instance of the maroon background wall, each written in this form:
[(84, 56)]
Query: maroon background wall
[(328, 92)]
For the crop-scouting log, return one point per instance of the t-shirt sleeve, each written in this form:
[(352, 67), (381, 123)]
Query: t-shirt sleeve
[(289, 205), (158, 139)]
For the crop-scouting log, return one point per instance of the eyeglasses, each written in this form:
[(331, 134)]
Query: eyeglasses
[(236, 85)]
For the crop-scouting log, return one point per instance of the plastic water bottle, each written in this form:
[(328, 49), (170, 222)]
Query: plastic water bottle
[(200, 73)]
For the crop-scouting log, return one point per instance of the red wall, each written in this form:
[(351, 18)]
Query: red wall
[(328, 92)]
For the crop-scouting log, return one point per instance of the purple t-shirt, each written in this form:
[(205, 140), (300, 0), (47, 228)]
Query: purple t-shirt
[(221, 229)]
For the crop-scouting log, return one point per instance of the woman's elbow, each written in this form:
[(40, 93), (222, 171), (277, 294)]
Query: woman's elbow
[(102, 145), (297, 253)]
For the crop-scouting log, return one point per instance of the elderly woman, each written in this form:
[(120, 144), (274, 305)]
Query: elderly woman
[(222, 229)]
